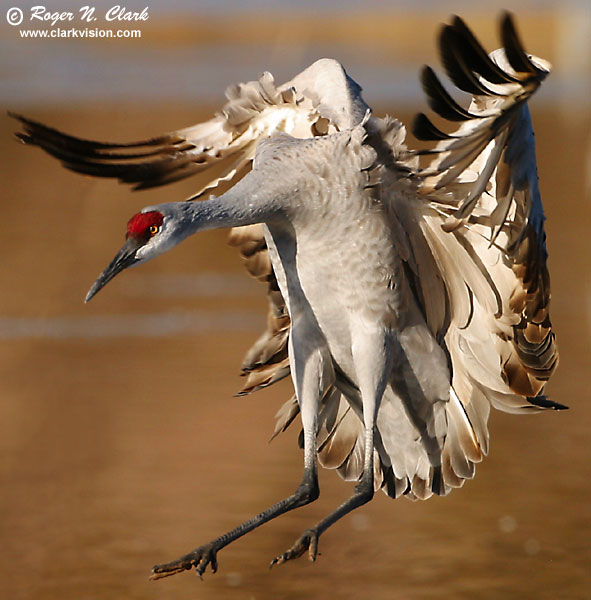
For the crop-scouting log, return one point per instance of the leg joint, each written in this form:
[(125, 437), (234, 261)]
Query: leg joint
[(307, 491), (365, 488)]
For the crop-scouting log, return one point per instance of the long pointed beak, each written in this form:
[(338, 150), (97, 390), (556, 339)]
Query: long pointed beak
[(123, 259)]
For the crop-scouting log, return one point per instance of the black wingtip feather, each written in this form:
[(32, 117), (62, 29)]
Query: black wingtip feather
[(461, 64), (476, 56), (40, 134), (440, 101), (424, 130), (451, 62), (514, 51), (545, 402)]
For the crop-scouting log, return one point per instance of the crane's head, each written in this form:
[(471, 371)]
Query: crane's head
[(150, 233)]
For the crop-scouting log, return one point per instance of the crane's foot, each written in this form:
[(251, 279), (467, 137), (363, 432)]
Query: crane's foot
[(307, 541), (199, 559)]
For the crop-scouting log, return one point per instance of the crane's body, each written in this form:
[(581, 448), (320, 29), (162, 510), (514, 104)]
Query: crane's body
[(344, 282), (405, 299)]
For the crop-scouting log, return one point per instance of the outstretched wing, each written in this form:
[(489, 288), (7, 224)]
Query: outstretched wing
[(254, 110), (322, 99), (481, 215), (319, 100)]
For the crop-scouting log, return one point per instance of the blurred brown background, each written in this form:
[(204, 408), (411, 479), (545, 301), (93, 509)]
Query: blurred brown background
[(121, 443)]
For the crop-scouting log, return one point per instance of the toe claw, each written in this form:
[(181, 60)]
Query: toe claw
[(198, 559), (313, 549), (276, 561), (307, 541)]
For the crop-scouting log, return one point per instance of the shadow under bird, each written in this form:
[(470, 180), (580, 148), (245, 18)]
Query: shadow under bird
[(408, 289)]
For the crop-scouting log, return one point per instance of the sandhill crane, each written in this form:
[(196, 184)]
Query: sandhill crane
[(408, 289)]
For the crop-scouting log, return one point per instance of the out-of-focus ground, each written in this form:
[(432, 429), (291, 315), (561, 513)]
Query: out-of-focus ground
[(121, 444)]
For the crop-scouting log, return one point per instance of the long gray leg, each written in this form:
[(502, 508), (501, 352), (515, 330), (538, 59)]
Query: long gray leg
[(312, 374), (372, 359)]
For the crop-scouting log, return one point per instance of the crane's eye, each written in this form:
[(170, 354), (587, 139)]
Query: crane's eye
[(154, 229)]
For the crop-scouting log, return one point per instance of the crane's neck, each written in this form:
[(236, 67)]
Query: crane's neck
[(244, 204)]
